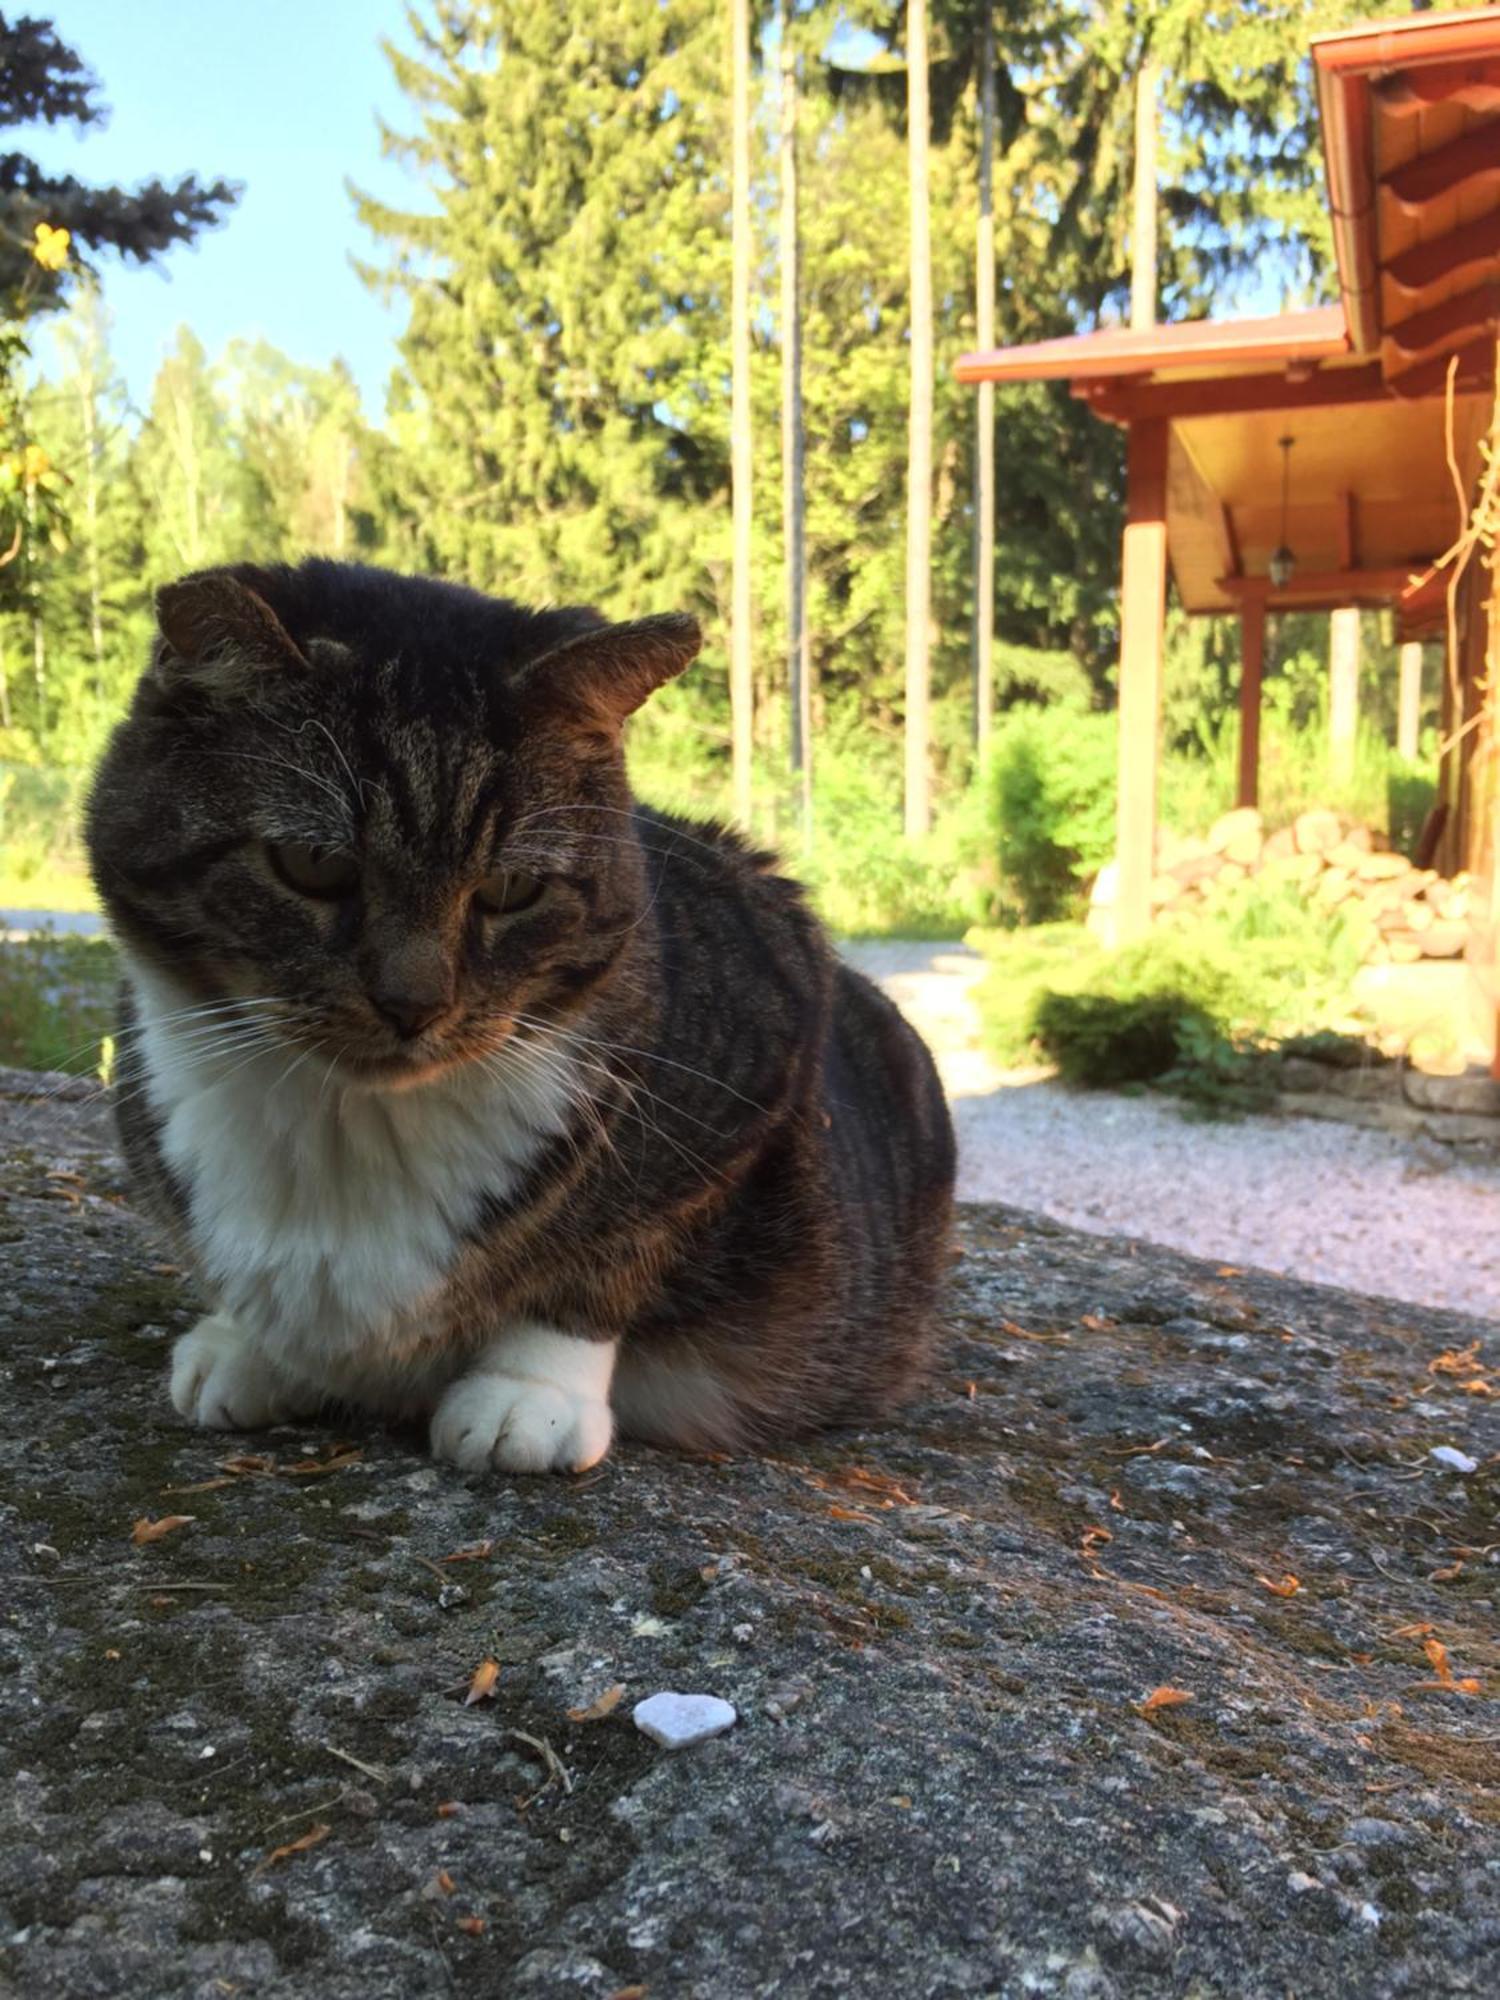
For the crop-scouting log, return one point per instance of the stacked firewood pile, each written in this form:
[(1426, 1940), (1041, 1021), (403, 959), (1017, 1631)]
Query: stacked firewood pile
[(1335, 862)]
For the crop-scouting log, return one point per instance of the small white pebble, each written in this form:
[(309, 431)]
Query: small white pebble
[(744, 1633), (1457, 1461), (205, 1854), (1368, 1914), (677, 1720), (1300, 1883)]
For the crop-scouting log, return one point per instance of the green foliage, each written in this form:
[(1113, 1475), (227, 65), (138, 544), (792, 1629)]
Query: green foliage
[(1051, 778), (1194, 1005), (57, 1002), (1101, 1040)]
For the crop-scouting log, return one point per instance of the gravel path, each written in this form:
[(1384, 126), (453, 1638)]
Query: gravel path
[(1329, 1202)]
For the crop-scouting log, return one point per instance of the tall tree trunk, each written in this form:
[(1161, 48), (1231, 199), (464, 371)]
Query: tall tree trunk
[(741, 674), (38, 630), (984, 455), (793, 495), (919, 456), (1143, 227), (87, 395)]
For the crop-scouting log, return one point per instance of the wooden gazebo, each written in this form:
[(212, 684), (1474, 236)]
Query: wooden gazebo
[(1385, 396)]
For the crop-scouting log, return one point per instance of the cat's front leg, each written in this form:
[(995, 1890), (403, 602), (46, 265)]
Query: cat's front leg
[(222, 1380), (535, 1400)]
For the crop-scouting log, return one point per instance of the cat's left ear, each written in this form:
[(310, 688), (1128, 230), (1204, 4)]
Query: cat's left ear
[(605, 675), (218, 632)]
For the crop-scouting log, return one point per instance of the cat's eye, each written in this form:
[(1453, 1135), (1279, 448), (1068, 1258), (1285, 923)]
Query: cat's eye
[(314, 871), (505, 890)]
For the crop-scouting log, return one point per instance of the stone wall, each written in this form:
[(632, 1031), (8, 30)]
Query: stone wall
[(1363, 1087), (1333, 860)]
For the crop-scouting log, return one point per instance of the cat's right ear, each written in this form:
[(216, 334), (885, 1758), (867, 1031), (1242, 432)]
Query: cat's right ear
[(218, 634)]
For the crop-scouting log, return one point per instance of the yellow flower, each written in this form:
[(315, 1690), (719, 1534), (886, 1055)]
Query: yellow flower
[(51, 246), (34, 463)]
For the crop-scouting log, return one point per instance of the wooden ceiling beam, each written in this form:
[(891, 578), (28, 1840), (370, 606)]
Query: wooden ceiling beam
[(1324, 587), (1228, 395), (1429, 263), (1475, 370), (1474, 86), (1473, 155), (1234, 562), (1452, 323), (1348, 531)]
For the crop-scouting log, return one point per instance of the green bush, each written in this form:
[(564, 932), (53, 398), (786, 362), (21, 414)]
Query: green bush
[(1101, 1040), (1050, 782), (57, 1001), (1195, 1005)]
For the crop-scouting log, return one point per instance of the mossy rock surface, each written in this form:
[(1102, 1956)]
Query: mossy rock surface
[(941, 1637)]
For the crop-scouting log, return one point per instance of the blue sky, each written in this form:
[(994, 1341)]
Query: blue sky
[(280, 95)]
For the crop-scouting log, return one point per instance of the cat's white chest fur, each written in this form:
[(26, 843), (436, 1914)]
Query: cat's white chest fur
[(325, 1217)]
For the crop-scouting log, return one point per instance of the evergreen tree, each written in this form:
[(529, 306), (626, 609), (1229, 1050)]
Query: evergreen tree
[(44, 82), (562, 404)]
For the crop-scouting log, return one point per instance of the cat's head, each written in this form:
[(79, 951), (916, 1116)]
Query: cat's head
[(388, 815)]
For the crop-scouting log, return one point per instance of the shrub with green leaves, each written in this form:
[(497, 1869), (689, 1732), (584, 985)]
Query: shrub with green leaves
[(57, 1001), (1195, 1004)]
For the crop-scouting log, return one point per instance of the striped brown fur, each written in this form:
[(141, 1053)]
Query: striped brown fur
[(750, 1187)]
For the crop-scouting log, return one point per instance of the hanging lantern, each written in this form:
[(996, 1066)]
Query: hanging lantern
[(1283, 563)]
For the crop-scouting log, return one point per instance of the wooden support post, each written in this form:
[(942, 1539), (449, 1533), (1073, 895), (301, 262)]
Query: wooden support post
[(1143, 602), (1343, 692), (1252, 660), (1409, 701)]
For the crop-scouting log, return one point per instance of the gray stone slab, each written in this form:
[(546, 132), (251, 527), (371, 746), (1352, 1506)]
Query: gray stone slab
[(940, 1636)]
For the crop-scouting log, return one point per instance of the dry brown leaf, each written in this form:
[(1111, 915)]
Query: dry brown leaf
[(865, 1480), (242, 1467), (838, 1513), (1164, 1697), (449, 1809), (1097, 1323), (1230, 1271), (1419, 1631), (147, 1530), (471, 1926), (606, 1704), (1449, 1575), (314, 1468), (630, 1993), (475, 1552), (1478, 1387), (311, 1838), (445, 1882), (1116, 1502), (1437, 1658), (1456, 1360), (1287, 1587), (482, 1685), (1093, 1537)]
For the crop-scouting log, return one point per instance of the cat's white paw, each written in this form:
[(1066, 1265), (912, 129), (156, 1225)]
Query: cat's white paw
[(514, 1425), (221, 1382)]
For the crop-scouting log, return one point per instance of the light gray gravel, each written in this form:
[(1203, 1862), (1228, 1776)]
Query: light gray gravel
[(1361, 1209)]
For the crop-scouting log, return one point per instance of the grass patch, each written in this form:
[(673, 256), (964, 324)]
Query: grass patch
[(57, 1001), (49, 886)]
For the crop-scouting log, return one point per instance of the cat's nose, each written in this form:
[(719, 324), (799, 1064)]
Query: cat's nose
[(409, 1013)]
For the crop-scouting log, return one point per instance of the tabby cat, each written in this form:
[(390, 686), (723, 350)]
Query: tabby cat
[(469, 1088)]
